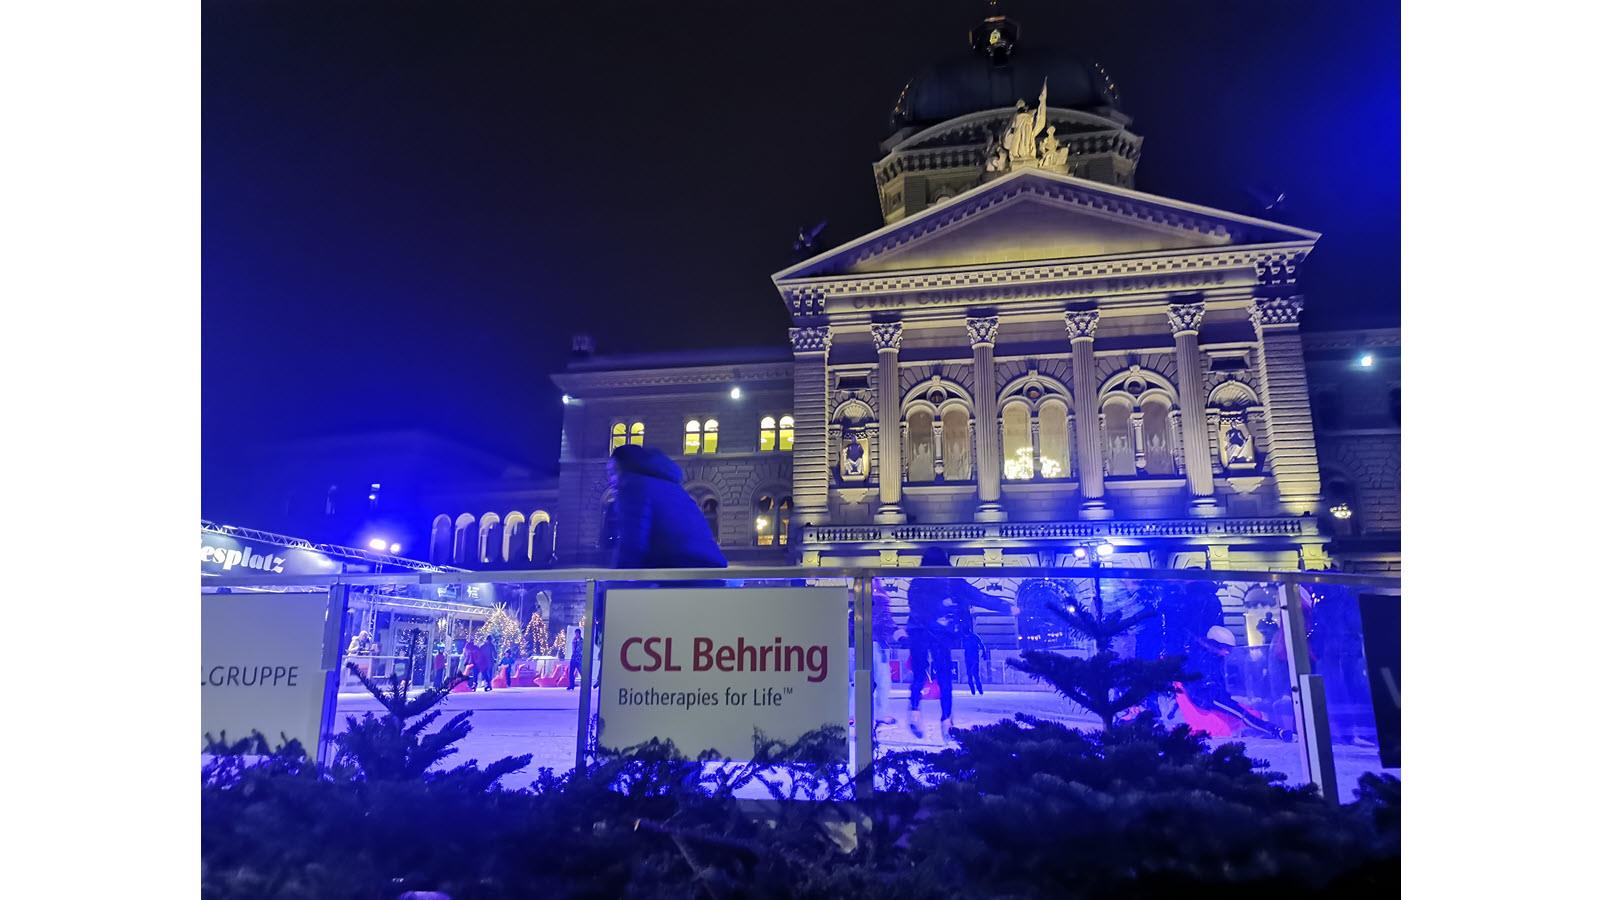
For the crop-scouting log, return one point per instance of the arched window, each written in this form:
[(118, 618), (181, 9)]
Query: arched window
[(1054, 460), (1120, 459), (636, 434), (439, 540), (516, 546), (709, 508), (619, 435), (542, 542), (766, 520), (957, 444), (691, 437), (769, 434), (1157, 435), (709, 443), (1017, 441), (466, 540), (489, 543), (786, 433), (785, 509), (919, 445)]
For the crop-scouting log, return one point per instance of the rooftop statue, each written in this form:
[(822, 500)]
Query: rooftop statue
[(1020, 144)]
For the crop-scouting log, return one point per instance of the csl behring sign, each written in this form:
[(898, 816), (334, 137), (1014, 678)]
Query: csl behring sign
[(709, 667)]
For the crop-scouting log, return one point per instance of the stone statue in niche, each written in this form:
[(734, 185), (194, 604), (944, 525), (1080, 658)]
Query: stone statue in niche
[(1238, 447), (1121, 456), (853, 457), (921, 468)]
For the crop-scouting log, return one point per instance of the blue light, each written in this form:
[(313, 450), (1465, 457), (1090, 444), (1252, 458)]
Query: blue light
[(735, 393), (566, 399), (1366, 361), (378, 543), (1103, 549)]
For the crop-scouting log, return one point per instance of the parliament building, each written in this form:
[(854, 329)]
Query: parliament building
[(1029, 356)]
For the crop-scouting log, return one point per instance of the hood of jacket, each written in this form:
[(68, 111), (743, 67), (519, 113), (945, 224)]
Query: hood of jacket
[(646, 461)]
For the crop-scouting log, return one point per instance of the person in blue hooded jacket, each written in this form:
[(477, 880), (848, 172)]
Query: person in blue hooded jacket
[(654, 523)]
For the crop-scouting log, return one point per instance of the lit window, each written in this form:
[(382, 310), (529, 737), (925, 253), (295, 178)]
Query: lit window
[(919, 446), (769, 434), (709, 445), (619, 435), (1017, 438), (765, 522), (1120, 453), (1054, 461), (691, 437), (636, 437), (1158, 456), (786, 433)]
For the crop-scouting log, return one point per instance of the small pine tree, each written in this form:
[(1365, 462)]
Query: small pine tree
[(1105, 683)]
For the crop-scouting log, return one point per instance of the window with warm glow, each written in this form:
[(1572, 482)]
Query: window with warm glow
[(765, 521), (709, 443), (769, 434), (691, 437), (619, 435), (1017, 439), (957, 444), (786, 433), (1054, 461), (636, 435)]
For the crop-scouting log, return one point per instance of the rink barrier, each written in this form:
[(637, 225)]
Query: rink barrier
[(1306, 688)]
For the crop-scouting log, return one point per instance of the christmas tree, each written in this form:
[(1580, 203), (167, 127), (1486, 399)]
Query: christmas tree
[(536, 636), (505, 630)]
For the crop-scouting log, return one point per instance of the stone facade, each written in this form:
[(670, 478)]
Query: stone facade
[(738, 483)]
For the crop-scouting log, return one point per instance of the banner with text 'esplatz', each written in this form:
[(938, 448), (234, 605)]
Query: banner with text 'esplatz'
[(709, 667), (262, 666)]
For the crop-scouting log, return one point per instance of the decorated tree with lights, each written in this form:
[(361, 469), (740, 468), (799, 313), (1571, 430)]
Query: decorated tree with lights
[(536, 637), (504, 629)]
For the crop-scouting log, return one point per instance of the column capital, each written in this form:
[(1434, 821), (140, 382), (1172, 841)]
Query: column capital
[(1273, 311), (812, 339), (983, 330), (1185, 317), (886, 336), (1081, 324)]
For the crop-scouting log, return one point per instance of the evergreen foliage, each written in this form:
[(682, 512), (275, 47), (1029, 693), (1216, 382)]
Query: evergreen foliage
[(1105, 683)]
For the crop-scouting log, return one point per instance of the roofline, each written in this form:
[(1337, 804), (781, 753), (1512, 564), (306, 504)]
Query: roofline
[(1126, 193)]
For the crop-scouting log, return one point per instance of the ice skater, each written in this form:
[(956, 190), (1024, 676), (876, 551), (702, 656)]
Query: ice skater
[(937, 608)]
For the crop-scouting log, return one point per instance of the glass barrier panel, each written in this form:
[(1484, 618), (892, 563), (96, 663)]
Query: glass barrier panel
[(956, 654), (1335, 637), (504, 649)]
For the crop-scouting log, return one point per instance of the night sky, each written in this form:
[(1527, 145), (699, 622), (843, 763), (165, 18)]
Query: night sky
[(410, 207)]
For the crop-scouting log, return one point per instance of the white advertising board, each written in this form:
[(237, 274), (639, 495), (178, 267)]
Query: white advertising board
[(707, 667), (262, 666)]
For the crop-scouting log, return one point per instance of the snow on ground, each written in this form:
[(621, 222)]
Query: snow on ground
[(544, 722)]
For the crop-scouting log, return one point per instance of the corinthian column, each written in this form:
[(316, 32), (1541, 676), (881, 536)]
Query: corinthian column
[(1291, 447), (886, 338), (1085, 396), (1185, 321), (811, 459), (981, 333)]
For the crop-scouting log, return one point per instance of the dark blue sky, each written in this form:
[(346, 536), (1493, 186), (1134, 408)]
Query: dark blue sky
[(410, 207)]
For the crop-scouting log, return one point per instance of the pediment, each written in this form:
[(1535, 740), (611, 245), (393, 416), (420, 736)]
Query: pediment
[(1031, 216)]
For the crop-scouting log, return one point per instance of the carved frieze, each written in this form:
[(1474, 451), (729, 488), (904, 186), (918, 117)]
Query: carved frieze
[(1270, 311), (812, 339)]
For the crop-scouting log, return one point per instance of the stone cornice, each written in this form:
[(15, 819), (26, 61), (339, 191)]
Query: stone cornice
[(1164, 272), (1351, 340), (686, 376)]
